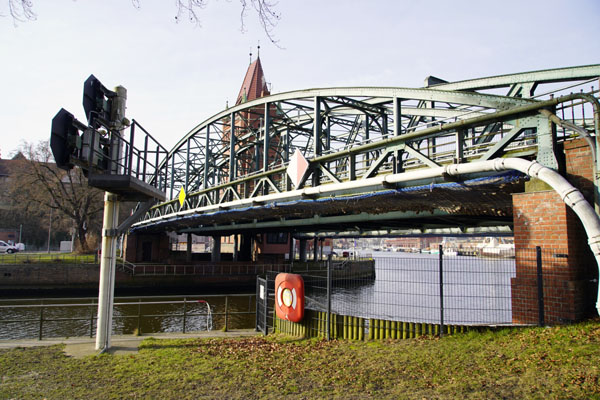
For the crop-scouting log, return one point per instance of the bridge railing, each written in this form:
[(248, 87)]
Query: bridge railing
[(203, 269)]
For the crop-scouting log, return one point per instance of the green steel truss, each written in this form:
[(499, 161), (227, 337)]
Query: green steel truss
[(357, 133)]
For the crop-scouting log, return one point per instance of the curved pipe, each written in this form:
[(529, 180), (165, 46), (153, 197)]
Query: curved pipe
[(593, 144), (568, 193)]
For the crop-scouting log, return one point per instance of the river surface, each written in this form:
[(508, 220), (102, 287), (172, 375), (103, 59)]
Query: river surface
[(69, 317), (476, 291), (406, 288)]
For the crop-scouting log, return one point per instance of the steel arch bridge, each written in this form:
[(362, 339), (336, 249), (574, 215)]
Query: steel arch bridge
[(230, 173)]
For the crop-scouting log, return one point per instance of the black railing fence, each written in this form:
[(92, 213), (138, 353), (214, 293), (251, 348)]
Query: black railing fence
[(456, 287), (71, 317)]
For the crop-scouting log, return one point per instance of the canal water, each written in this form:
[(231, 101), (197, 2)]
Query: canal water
[(476, 291), (406, 288), (70, 317)]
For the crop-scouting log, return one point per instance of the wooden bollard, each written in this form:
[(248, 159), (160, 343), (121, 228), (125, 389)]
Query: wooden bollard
[(345, 323), (388, 329)]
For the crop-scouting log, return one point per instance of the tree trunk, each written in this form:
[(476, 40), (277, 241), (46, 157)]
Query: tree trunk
[(82, 237)]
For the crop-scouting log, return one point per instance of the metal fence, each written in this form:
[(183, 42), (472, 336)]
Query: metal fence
[(71, 317), (462, 287), (199, 269)]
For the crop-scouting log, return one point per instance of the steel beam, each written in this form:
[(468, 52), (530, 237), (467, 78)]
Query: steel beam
[(541, 76)]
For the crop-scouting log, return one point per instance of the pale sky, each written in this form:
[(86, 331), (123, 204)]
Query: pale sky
[(178, 75)]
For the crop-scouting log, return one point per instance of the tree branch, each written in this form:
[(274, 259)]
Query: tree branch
[(21, 10)]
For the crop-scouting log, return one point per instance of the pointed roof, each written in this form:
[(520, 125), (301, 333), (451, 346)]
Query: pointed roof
[(254, 85)]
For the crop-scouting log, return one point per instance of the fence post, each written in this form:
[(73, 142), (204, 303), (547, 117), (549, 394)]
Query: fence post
[(41, 320), (441, 271), (328, 328), (540, 286), (184, 313), (266, 308), (226, 311), (257, 302), (92, 319), (139, 327)]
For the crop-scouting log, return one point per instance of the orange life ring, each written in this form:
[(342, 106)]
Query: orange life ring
[(289, 297)]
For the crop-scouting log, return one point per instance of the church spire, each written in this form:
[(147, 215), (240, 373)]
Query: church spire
[(255, 84)]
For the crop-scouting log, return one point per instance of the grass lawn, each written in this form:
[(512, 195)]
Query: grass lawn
[(44, 258), (539, 363)]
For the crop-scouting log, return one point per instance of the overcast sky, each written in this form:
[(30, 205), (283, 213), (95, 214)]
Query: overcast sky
[(177, 75)]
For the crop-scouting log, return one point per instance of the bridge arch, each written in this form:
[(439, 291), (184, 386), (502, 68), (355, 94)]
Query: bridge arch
[(380, 159)]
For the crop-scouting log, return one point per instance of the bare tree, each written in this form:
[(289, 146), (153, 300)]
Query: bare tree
[(267, 16), (22, 10), (38, 183)]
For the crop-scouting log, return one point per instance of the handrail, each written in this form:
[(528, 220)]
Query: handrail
[(203, 269), (185, 314)]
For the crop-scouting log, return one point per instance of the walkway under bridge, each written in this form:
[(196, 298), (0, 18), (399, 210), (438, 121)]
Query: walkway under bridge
[(363, 161)]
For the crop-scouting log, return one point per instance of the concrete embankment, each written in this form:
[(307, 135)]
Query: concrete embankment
[(85, 277), (19, 278)]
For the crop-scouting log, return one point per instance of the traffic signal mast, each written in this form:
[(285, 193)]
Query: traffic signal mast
[(107, 160)]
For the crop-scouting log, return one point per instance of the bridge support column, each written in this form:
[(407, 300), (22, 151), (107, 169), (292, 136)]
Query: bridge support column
[(188, 249), (216, 249), (303, 244), (235, 247), (292, 251), (245, 253), (541, 218), (316, 249)]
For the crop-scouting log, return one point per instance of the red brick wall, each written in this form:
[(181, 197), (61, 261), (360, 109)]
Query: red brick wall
[(542, 219)]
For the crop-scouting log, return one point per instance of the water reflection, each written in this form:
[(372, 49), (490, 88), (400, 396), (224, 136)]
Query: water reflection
[(406, 288), (130, 315)]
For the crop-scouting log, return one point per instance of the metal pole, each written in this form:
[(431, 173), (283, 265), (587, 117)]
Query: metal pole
[(441, 253), (184, 313), (139, 327), (226, 310), (41, 321), (92, 319), (258, 286), (107, 271), (266, 305), (540, 286), (266, 138), (328, 329)]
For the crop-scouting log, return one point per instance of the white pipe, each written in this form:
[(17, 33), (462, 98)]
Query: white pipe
[(568, 193), (588, 138)]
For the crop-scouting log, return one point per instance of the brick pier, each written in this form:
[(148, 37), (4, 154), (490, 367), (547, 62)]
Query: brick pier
[(542, 219)]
